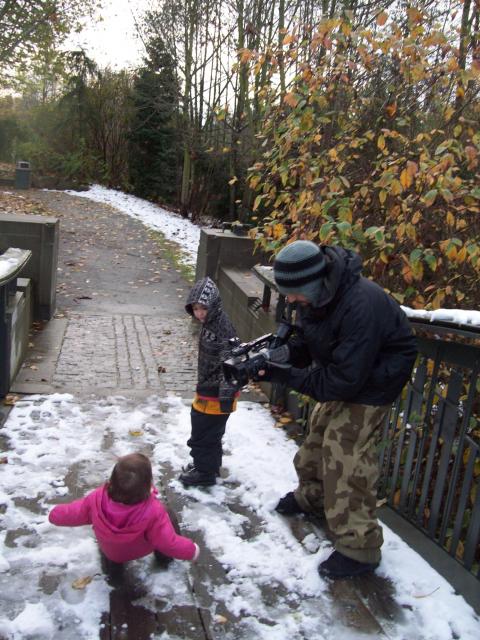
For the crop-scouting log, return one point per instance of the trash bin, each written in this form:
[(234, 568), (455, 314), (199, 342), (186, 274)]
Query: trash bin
[(23, 175)]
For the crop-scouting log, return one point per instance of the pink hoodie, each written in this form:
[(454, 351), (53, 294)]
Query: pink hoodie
[(125, 532)]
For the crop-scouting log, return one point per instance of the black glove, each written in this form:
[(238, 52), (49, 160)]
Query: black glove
[(274, 372)]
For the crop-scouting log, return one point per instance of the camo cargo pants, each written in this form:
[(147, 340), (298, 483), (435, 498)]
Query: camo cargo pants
[(337, 467)]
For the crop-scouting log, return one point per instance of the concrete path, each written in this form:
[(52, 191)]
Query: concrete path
[(120, 323)]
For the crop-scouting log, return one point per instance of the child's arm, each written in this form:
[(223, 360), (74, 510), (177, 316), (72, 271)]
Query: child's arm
[(163, 537), (73, 514)]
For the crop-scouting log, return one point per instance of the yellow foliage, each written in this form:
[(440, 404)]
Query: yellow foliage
[(406, 179), (278, 231), (290, 99)]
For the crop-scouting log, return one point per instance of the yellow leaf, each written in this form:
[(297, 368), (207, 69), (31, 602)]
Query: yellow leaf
[(364, 192), (288, 39), (452, 252), (81, 583), (245, 55), (382, 196), (391, 109), (407, 273), (278, 231), (448, 113), (10, 400), (412, 168), (396, 187), (406, 179), (381, 142), (414, 15), (452, 64), (450, 219), (332, 154), (417, 216), (290, 99), (382, 17), (135, 433), (254, 180), (462, 254)]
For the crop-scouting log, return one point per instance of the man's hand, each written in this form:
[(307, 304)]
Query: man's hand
[(274, 372)]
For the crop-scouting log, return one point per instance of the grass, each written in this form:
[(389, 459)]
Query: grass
[(175, 254)]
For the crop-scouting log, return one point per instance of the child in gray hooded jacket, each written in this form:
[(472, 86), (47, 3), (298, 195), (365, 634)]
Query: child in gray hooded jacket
[(215, 398)]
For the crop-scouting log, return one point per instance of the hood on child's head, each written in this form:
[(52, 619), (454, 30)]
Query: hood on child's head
[(204, 292)]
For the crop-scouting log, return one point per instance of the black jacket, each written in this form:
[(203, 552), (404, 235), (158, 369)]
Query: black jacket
[(213, 345), (358, 346)]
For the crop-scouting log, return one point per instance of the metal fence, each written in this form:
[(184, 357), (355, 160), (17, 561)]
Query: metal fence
[(430, 451)]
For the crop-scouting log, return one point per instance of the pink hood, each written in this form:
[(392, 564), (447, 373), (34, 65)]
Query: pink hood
[(125, 532)]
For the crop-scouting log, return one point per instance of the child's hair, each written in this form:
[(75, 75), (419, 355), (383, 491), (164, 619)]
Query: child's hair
[(131, 479)]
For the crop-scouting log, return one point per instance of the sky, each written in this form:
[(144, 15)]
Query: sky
[(109, 38)]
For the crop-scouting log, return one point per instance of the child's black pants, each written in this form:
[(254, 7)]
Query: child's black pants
[(205, 441)]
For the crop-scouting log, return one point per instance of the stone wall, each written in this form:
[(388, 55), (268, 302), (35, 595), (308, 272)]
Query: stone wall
[(40, 235)]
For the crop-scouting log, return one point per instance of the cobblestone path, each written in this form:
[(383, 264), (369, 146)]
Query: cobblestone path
[(120, 323)]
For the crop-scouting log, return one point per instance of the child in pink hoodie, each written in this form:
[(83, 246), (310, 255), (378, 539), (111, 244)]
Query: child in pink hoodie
[(128, 520)]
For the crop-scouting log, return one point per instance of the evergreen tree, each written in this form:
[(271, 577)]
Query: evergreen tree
[(154, 157)]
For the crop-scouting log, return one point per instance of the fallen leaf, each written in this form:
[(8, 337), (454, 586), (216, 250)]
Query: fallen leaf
[(10, 400), (81, 583), (132, 432), (4, 460), (220, 619)]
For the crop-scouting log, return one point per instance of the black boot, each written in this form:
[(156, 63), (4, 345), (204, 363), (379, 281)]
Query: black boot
[(190, 467), (112, 570), (197, 478), (339, 566), (161, 560), (288, 505)]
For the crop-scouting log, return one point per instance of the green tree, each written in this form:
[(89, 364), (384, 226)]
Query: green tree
[(155, 140), (26, 25)]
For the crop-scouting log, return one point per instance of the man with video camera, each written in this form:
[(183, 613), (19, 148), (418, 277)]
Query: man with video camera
[(353, 351)]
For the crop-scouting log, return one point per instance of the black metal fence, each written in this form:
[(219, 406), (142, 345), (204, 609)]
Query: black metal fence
[(430, 453)]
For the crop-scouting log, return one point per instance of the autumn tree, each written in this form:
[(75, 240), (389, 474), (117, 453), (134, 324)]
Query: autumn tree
[(370, 148)]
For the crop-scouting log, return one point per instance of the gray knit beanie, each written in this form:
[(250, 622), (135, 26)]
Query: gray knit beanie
[(298, 268)]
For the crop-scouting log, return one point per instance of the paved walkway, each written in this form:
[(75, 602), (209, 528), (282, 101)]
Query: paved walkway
[(120, 323), (121, 329)]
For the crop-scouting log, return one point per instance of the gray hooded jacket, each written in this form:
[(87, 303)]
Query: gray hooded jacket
[(213, 346)]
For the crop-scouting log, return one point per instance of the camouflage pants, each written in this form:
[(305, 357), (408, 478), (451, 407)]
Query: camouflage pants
[(337, 468)]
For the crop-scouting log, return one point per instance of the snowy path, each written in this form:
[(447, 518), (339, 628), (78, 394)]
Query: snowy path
[(61, 446)]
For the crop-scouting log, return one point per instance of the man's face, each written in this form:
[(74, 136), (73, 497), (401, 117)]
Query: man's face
[(298, 297)]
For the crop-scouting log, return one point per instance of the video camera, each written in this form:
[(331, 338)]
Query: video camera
[(248, 358)]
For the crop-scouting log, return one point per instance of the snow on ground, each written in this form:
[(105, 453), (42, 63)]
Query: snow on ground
[(57, 441), (172, 225)]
